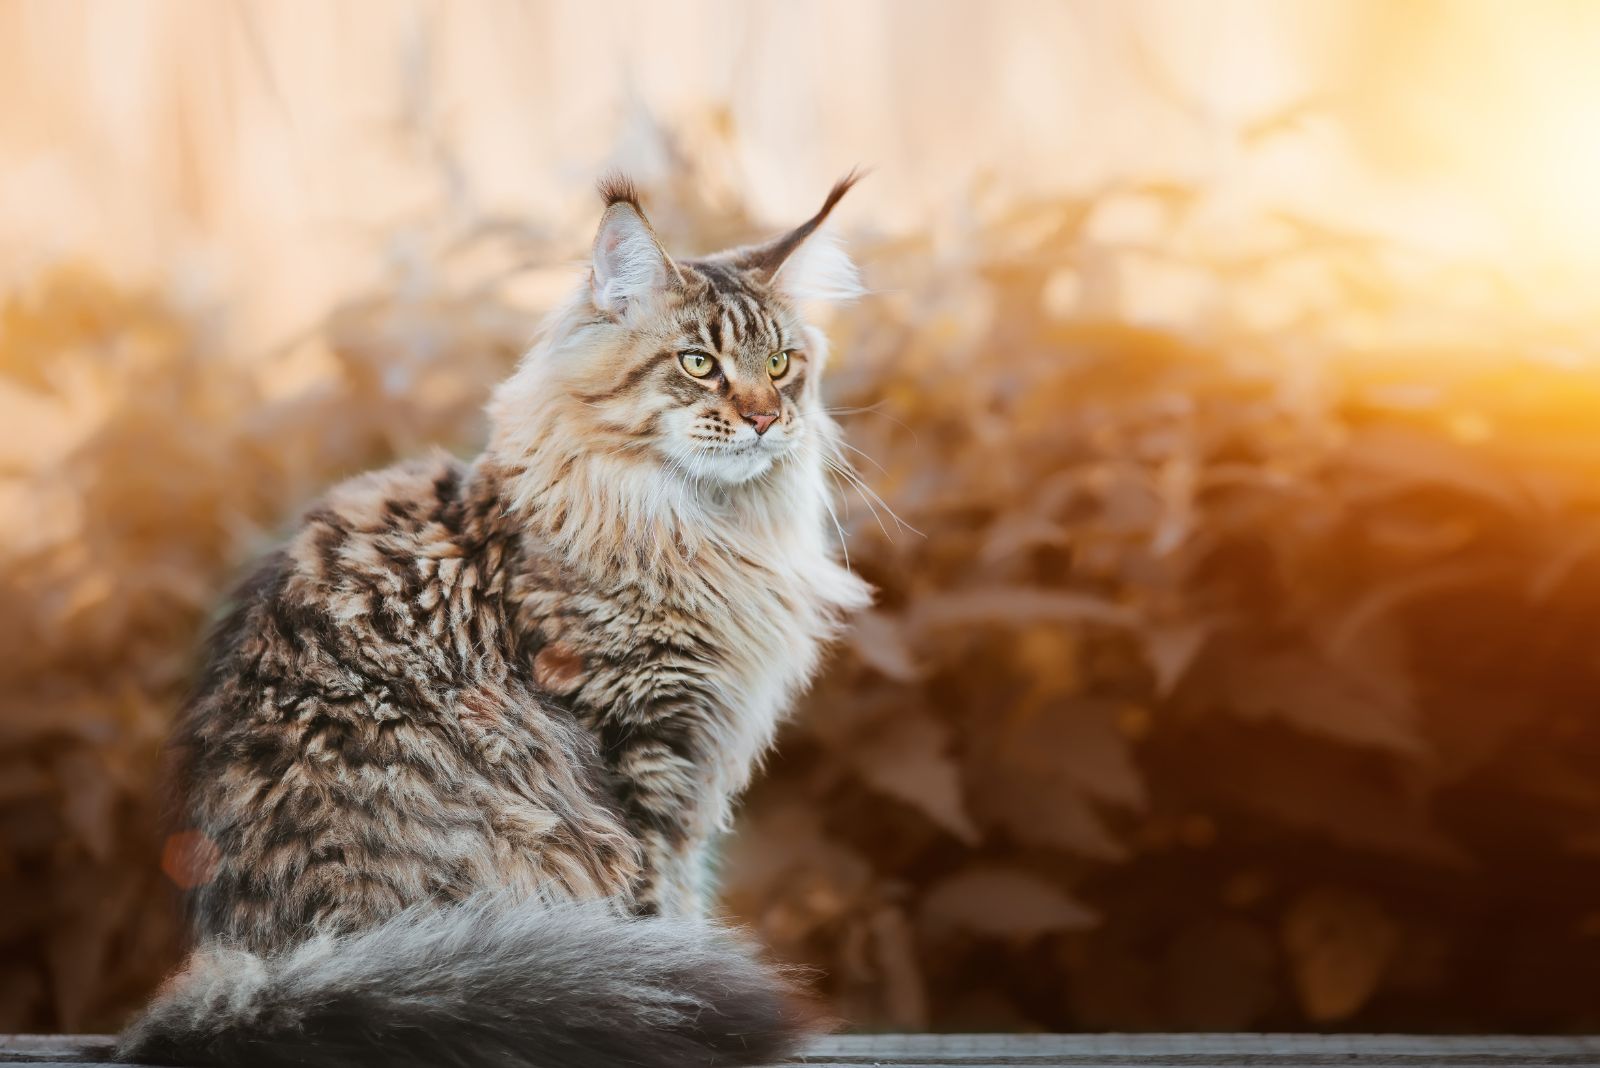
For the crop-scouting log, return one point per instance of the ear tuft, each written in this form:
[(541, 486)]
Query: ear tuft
[(629, 262), (807, 264), (619, 189), (840, 188)]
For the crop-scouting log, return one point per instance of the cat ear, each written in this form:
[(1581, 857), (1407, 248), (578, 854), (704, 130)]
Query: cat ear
[(808, 262), (629, 262)]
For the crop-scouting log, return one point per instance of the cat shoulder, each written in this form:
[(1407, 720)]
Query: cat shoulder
[(384, 533), (394, 499)]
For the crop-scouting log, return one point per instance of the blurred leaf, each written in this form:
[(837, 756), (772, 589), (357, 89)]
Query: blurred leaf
[(1042, 777), (1407, 457), (1339, 944), (909, 761), (1388, 598), (1002, 902), (1361, 708), (89, 798), (881, 643), (1333, 794), (1017, 607), (904, 995), (1171, 649)]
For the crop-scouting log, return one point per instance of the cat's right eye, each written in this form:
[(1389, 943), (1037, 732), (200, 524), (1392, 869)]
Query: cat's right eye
[(698, 364)]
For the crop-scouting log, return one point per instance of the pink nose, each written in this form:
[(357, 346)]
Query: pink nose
[(760, 420)]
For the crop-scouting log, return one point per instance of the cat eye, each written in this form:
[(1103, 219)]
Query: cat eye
[(697, 364), (778, 364)]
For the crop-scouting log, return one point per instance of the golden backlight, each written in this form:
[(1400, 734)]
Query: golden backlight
[(1227, 416), (1500, 104)]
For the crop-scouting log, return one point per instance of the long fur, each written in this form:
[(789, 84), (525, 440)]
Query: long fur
[(465, 699), (819, 270), (490, 982)]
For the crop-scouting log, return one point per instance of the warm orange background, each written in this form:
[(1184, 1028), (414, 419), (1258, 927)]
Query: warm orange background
[(1226, 411)]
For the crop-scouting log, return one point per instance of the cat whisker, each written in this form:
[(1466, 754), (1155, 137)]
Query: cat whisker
[(850, 480), (869, 496), (873, 409), (864, 455), (843, 548)]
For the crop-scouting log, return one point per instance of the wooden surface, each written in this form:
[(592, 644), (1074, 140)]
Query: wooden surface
[(1071, 1051)]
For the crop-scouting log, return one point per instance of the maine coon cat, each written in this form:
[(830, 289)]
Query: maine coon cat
[(460, 745)]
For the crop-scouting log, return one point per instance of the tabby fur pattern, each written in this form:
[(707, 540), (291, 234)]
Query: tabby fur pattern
[(461, 746)]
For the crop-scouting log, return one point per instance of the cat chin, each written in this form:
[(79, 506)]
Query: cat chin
[(729, 466), (733, 468)]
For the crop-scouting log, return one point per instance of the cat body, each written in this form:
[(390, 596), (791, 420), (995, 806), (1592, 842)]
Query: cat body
[(461, 745)]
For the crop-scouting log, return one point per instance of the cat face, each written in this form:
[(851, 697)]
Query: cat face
[(707, 364), (717, 377)]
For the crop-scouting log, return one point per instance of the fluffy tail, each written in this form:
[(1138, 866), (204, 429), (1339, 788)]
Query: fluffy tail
[(485, 983)]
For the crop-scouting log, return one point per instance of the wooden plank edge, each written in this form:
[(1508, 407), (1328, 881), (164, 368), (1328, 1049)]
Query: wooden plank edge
[(1068, 1051)]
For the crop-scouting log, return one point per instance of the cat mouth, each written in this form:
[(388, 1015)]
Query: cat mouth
[(760, 446), (740, 462)]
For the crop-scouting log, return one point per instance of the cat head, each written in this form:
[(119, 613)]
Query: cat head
[(705, 367)]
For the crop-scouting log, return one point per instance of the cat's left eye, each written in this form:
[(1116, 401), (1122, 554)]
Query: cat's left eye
[(778, 364), (698, 364)]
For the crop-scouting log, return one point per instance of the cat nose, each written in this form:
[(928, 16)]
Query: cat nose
[(760, 420)]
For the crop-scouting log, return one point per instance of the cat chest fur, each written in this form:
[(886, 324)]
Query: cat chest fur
[(679, 680)]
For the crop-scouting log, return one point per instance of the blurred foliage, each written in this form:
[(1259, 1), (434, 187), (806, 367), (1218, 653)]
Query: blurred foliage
[(1231, 667)]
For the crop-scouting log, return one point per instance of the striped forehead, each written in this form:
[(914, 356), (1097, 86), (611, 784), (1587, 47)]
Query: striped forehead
[(733, 313)]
